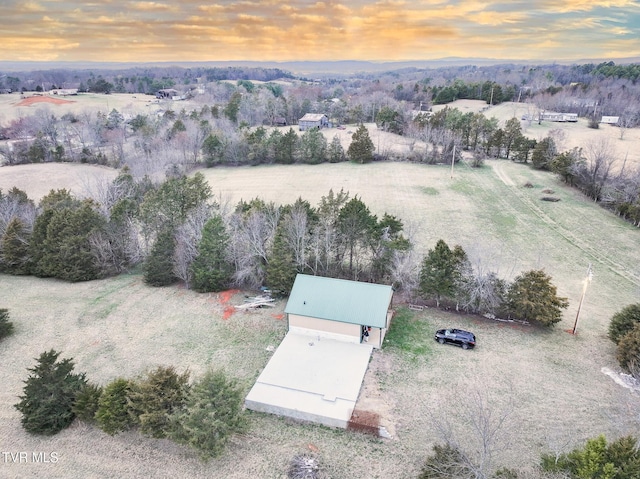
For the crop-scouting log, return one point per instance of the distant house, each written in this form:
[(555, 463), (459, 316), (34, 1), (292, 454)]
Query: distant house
[(560, 117), (280, 121), (64, 91), (571, 117), (313, 120), (610, 120)]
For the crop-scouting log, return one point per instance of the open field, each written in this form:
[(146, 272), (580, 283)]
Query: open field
[(39, 179), (14, 106), (119, 327)]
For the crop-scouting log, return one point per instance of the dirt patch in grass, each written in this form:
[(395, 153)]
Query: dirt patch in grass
[(33, 100), (367, 422)]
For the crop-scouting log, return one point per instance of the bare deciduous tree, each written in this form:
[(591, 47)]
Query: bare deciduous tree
[(116, 248), (251, 234), (476, 426), (593, 173), (188, 236), (296, 227), (14, 204), (628, 119), (104, 191)]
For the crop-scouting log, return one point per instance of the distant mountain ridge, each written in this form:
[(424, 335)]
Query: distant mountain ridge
[(303, 68)]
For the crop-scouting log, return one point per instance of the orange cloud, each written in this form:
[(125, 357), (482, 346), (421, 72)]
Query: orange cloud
[(320, 30)]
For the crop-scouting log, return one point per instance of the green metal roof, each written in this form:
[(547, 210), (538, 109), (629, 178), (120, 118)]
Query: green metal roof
[(340, 300)]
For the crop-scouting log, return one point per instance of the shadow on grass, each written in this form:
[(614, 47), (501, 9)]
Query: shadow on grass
[(409, 335)]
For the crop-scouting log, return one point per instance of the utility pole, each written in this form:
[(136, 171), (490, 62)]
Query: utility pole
[(586, 282), (491, 100), (453, 159)]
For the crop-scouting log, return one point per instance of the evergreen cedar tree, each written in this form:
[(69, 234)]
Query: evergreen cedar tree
[(623, 322), (628, 352), (440, 271), (211, 268), (280, 272), (15, 248), (169, 205), (446, 461), (60, 244), (86, 404), (6, 326), (532, 297), (112, 415), (313, 147), (212, 413), (336, 151), (49, 394), (155, 397), (619, 459), (361, 148), (67, 252), (158, 266), (356, 225)]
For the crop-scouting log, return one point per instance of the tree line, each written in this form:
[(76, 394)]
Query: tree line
[(177, 231), (448, 275)]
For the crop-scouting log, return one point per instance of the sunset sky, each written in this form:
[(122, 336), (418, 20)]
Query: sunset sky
[(275, 30)]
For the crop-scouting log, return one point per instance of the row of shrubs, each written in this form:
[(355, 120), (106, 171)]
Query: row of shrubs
[(597, 459), (160, 404)]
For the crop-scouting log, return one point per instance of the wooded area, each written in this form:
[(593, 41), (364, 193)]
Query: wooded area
[(229, 117)]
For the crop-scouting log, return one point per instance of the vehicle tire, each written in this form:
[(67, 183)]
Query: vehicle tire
[(441, 340), (465, 346)]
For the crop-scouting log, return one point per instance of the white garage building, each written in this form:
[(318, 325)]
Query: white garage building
[(317, 371)]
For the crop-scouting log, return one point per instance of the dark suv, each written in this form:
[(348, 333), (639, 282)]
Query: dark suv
[(459, 337)]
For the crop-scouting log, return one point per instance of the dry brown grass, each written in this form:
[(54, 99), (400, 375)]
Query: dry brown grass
[(12, 106), (39, 179), (120, 327)]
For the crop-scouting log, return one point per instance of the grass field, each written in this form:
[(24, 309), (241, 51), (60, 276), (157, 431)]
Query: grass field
[(12, 106), (120, 327)]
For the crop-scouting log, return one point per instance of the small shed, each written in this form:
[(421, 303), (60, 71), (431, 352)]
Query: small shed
[(167, 94), (610, 120), (313, 120), (350, 311)]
